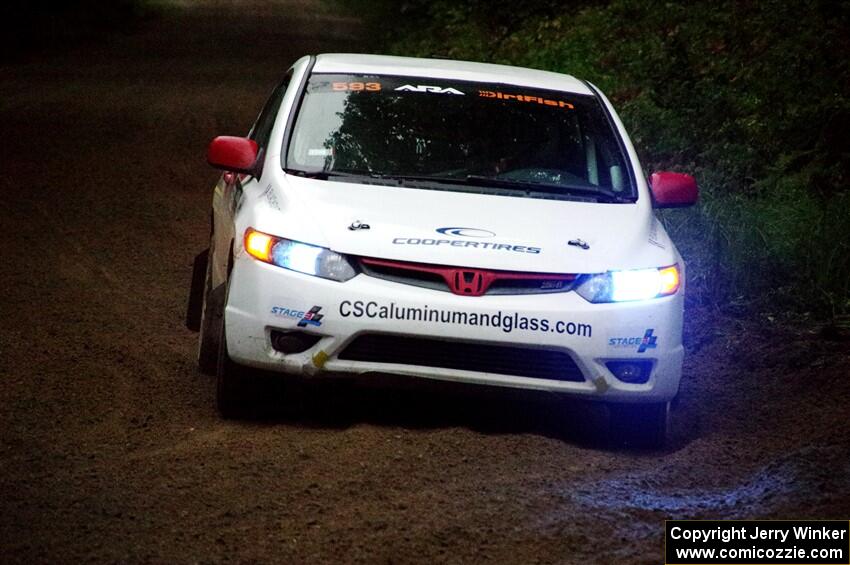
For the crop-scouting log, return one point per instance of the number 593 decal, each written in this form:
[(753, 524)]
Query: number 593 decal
[(356, 86)]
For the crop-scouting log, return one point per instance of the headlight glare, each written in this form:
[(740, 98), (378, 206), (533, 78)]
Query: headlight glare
[(635, 285), (625, 286), (301, 257), (296, 256)]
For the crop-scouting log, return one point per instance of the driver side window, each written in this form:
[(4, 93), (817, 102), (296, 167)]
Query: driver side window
[(262, 128)]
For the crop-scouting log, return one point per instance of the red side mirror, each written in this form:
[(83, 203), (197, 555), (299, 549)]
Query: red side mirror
[(237, 154), (673, 190)]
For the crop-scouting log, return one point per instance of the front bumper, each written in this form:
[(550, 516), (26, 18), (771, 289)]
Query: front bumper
[(265, 298)]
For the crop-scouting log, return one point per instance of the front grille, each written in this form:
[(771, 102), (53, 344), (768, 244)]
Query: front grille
[(404, 276), (446, 278), (464, 356)]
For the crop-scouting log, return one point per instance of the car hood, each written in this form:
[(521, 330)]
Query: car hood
[(474, 230)]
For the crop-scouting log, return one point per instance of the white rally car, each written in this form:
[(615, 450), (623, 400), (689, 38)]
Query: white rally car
[(447, 220)]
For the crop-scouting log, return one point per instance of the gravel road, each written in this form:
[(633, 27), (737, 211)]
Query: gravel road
[(110, 447)]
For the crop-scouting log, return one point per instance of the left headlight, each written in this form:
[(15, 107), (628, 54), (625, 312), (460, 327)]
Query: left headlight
[(297, 256), (638, 284)]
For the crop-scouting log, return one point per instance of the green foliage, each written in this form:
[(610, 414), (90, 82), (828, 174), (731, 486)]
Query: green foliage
[(750, 97)]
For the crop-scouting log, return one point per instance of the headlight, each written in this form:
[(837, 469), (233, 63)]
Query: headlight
[(622, 286), (297, 256)]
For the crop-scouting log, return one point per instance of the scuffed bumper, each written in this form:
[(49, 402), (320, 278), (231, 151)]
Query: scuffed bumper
[(264, 298)]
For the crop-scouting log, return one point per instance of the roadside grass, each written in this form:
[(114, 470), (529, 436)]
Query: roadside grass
[(786, 252), (753, 98)]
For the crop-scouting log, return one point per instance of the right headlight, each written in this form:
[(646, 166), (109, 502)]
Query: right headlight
[(637, 284), (297, 256)]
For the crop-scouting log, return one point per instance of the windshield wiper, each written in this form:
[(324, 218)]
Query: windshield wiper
[(325, 175), (549, 188), (527, 187), (524, 186)]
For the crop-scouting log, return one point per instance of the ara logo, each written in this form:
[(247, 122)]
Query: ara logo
[(431, 89), (466, 232)]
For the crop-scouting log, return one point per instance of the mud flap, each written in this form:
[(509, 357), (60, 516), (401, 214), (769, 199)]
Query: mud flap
[(195, 302)]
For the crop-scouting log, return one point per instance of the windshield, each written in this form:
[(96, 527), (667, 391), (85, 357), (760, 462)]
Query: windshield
[(505, 139)]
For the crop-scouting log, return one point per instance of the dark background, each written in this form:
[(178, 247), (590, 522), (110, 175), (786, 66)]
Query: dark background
[(110, 447)]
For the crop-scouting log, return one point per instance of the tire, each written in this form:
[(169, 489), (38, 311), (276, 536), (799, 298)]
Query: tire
[(210, 325), (641, 425), (233, 384)]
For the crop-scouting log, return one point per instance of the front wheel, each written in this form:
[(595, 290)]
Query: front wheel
[(234, 383), (641, 425)]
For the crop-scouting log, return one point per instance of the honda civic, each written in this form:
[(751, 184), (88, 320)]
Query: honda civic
[(444, 220)]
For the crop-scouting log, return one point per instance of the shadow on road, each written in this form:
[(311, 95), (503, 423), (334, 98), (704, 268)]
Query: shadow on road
[(420, 404)]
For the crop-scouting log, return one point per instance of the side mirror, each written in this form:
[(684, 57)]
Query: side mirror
[(236, 154), (673, 190)]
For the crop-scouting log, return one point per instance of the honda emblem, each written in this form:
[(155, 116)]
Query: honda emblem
[(470, 283)]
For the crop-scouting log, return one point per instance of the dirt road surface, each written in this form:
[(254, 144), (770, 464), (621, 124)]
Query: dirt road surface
[(110, 447)]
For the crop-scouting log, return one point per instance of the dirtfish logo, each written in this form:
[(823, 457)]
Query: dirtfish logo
[(648, 341), (310, 317)]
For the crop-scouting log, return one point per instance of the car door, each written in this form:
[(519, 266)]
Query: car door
[(228, 192)]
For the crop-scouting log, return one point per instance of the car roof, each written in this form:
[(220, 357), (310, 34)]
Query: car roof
[(354, 63)]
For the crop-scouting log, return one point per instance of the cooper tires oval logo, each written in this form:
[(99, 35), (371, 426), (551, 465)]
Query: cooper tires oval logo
[(465, 232)]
